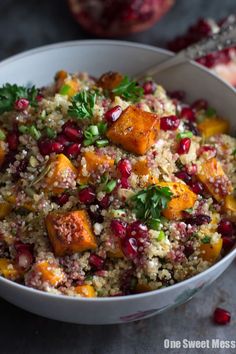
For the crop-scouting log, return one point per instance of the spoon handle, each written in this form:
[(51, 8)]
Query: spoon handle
[(223, 39)]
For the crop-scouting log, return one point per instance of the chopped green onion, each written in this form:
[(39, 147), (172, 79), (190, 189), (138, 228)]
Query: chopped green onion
[(189, 210), (23, 129), (154, 224), (161, 236), (210, 112), (50, 133), (110, 186), (34, 132), (93, 129), (64, 90), (102, 143), (43, 114), (117, 213), (184, 135), (206, 239), (2, 135)]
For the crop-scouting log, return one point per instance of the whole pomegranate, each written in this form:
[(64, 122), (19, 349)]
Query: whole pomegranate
[(111, 18)]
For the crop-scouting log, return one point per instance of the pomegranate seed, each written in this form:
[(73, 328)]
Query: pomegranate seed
[(192, 128), (113, 114), (73, 150), (187, 113), (149, 87), (184, 146), (137, 230), (63, 140), (129, 247), (191, 169), (56, 147), (228, 243), (199, 220), (73, 134), (200, 104), (13, 141), (86, 195), (169, 123), (184, 176), (105, 202), (118, 228), (221, 316), (226, 228), (178, 95), (197, 187), (21, 104), (39, 97), (207, 149), (124, 182), (47, 146), (188, 250), (24, 259), (61, 199), (96, 261), (124, 167)]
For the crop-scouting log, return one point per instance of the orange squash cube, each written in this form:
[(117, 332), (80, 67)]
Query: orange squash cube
[(183, 198), (60, 79), (49, 273), (214, 179), (142, 288), (213, 126), (230, 203), (211, 252), (94, 162), (70, 232), (110, 80), (9, 270), (136, 130), (61, 171), (85, 290), (69, 88)]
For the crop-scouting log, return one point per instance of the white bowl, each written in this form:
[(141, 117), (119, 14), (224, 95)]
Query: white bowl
[(38, 67)]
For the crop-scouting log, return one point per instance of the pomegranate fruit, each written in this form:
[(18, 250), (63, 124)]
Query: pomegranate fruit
[(221, 316), (116, 18)]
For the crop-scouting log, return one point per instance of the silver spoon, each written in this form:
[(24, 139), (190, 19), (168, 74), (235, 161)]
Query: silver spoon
[(223, 39)]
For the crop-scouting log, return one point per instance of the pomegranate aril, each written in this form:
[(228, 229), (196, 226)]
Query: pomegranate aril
[(73, 150), (184, 176), (39, 97), (178, 95), (226, 227), (221, 316), (149, 87), (184, 146), (169, 123), (199, 220), (73, 134), (228, 243), (187, 113), (207, 149), (124, 182), (118, 228), (124, 166), (191, 169), (130, 247), (96, 262), (105, 202), (13, 141), (21, 104), (197, 187), (188, 250), (62, 139), (113, 114), (192, 128), (56, 147), (61, 199), (24, 259), (200, 104), (138, 230), (87, 195)]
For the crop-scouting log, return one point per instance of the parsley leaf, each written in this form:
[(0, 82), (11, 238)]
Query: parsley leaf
[(129, 90), (149, 202), (82, 105), (206, 239), (10, 93)]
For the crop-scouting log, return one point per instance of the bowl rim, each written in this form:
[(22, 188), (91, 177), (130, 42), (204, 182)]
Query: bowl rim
[(65, 44)]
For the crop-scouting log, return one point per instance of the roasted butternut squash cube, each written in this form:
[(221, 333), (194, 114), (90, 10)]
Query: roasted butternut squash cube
[(2, 152), (60, 78), (61, 175), (142, 288), (230, 203), (69, 88), (110, 80), (5, 209), (213, 126), (136, 130), (211, 174), (211, 252), (141, 168), (70, 232), (91, 163), (183, 198), (9, 270), (85, 290), (50, 273)]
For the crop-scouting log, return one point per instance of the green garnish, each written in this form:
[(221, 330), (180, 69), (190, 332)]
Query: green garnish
[(189, 210), (51, 134), (30, 130), (149, 202), (109, 186), (161, 236), (2, 135), (185, 135), (210, 112), (129, 90), (234, 152), (206, 239), (9, 94), (82, 105), (154, 224), (64, 90), (93, 133)]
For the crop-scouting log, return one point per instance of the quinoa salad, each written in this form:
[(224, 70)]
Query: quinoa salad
[(112, 187)]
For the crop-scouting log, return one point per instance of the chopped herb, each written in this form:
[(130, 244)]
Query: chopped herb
[(206, 239), (161, 236), (129, 90), (93, 133), (234, 152), (102, 143), (149, 202), (43, 114), (154, 224), (10, 93), (185, 135), (89, 278), (30, 130), (210, 112), (82, 105), (64, 90), (110, 186), (2, 135), (51, 134), (189, 210)]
